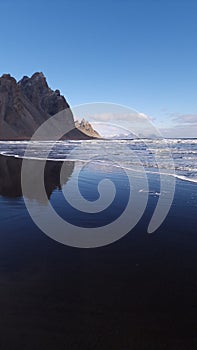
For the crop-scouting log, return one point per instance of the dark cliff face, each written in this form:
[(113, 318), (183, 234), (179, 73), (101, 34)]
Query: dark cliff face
[(26, 104), (41, 96)]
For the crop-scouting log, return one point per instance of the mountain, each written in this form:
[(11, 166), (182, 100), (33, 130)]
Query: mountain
[(85, 127), (123, 137), (26, 104)]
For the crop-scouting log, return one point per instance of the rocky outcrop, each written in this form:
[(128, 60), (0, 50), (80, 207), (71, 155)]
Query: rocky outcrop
[(85, 127), (26, 104)]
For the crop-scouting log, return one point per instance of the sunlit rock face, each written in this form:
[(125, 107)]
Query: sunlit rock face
[(86, 128)]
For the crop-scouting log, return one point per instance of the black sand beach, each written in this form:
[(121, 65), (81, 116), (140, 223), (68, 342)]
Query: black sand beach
[(137, 293)]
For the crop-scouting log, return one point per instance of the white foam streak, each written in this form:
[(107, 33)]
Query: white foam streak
[(184, 153)]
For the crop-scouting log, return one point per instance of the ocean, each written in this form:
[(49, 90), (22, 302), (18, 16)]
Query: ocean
[(135, 287), (182, 151)]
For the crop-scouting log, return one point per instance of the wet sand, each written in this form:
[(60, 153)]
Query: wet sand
[(137, 293)]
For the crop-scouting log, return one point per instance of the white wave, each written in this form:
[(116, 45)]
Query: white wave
[(184, 153), (185, 178)]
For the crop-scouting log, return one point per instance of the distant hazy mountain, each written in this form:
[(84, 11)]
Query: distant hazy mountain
[(132, 136), (26, 104), (123, 137)]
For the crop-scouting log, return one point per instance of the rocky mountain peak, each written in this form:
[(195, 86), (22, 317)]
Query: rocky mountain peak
[(41, 95), (26, 104), (87, 128), (7, 82), (8, 77)]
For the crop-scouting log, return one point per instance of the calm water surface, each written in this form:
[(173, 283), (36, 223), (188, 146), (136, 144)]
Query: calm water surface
[(137, 293)]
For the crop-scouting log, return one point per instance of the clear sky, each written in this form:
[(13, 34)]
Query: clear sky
[(139, 53)]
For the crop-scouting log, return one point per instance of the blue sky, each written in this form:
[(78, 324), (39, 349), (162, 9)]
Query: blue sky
[(139, 53)]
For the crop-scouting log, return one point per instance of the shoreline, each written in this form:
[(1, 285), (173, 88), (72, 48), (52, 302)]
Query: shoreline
[(53, 294)]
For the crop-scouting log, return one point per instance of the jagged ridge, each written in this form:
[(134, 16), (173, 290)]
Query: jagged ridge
[(26, 104), (86, 128)]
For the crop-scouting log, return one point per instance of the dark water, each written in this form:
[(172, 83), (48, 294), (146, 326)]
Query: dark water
[(137, 293)]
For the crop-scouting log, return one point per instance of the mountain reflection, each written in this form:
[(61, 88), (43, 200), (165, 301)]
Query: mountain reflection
[(10, 177)]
